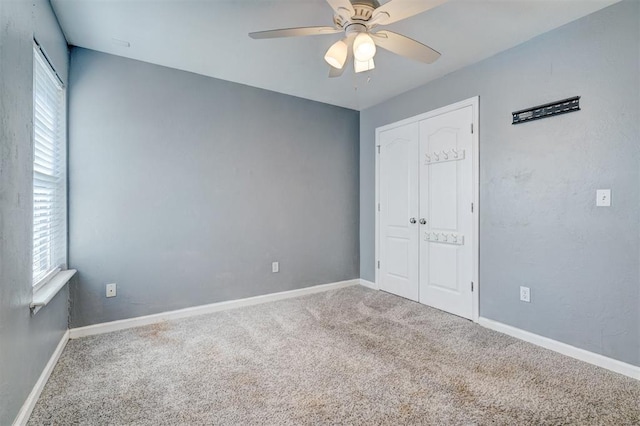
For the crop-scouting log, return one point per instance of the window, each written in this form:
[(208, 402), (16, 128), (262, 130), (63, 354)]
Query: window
[(49, 172)]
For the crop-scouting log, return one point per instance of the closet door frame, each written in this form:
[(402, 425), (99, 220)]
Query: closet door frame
[(475, 104)]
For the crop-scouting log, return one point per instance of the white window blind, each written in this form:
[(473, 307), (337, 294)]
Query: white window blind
[(49, 172)]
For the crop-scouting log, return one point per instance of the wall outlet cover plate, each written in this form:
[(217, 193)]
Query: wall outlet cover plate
[(603, 197), (111, 290)]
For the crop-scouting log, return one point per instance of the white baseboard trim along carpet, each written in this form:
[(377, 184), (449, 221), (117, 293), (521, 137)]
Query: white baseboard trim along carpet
[(563, 348), (347, 356), (74, 333), (545, 342), (620, 367), (27, 407), (108, 327), (369, 284)]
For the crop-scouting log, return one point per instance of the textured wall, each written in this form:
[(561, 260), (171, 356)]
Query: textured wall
[(26, 341), (184, 189), (539, 225)]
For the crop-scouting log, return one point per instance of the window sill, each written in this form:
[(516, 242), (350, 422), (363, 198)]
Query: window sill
[(50, 289)]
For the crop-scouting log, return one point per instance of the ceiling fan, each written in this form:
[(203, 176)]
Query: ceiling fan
[(359, 20)]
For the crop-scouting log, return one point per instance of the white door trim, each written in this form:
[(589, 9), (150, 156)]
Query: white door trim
[(474, 103)]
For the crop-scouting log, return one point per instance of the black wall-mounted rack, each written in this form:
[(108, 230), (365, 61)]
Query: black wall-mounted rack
[(547, 110)]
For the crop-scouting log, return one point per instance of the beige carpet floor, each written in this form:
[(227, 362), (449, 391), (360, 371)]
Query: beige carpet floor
[(349, 356)]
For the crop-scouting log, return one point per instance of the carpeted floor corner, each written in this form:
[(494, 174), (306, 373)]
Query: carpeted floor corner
[(349, 356)]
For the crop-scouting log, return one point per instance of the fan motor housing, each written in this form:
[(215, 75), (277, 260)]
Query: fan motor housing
[(373, 4), (363, 11)]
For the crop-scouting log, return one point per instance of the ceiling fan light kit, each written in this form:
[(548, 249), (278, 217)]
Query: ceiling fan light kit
[(363, 47), (362, 66), (359, 20), (336, 56)]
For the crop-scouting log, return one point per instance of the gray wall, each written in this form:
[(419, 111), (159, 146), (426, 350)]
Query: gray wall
[(184, 189), (539, 226), (26, 341)]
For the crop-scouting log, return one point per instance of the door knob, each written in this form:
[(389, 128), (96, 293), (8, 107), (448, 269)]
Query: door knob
[(423, 221), (412, 220)]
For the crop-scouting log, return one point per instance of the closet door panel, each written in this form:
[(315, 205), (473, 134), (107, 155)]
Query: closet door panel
[(398, 196), (446, 186)]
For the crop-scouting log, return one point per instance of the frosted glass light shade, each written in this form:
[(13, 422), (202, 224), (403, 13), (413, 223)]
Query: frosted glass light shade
[(363, 47), (337, 54), (361, 66)]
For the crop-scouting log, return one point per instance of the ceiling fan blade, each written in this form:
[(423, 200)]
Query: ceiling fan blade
[(342, 7), (405, 46), (336, 72), (294, 32), (396, 10)]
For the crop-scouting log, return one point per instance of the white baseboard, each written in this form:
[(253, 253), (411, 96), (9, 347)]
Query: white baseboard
[(27, 407), (108, 327), (369, 284), (563, 348)]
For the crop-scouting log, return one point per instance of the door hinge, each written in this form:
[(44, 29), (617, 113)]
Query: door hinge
[(378, 206), (471, 128), (471, 285), (378, 149), (471, 207), (378, 264)]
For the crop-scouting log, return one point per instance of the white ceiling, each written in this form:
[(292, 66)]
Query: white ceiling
[(209, 37)]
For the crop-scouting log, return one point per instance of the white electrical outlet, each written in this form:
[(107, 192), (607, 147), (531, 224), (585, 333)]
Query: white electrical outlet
[(111, 290), (275, 267), (603, 197), (525, 294)]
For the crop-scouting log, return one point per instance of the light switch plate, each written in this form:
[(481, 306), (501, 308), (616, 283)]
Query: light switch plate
[(603, 197)]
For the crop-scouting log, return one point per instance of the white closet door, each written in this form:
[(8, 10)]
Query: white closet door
[(398, 185), (446, 220)]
